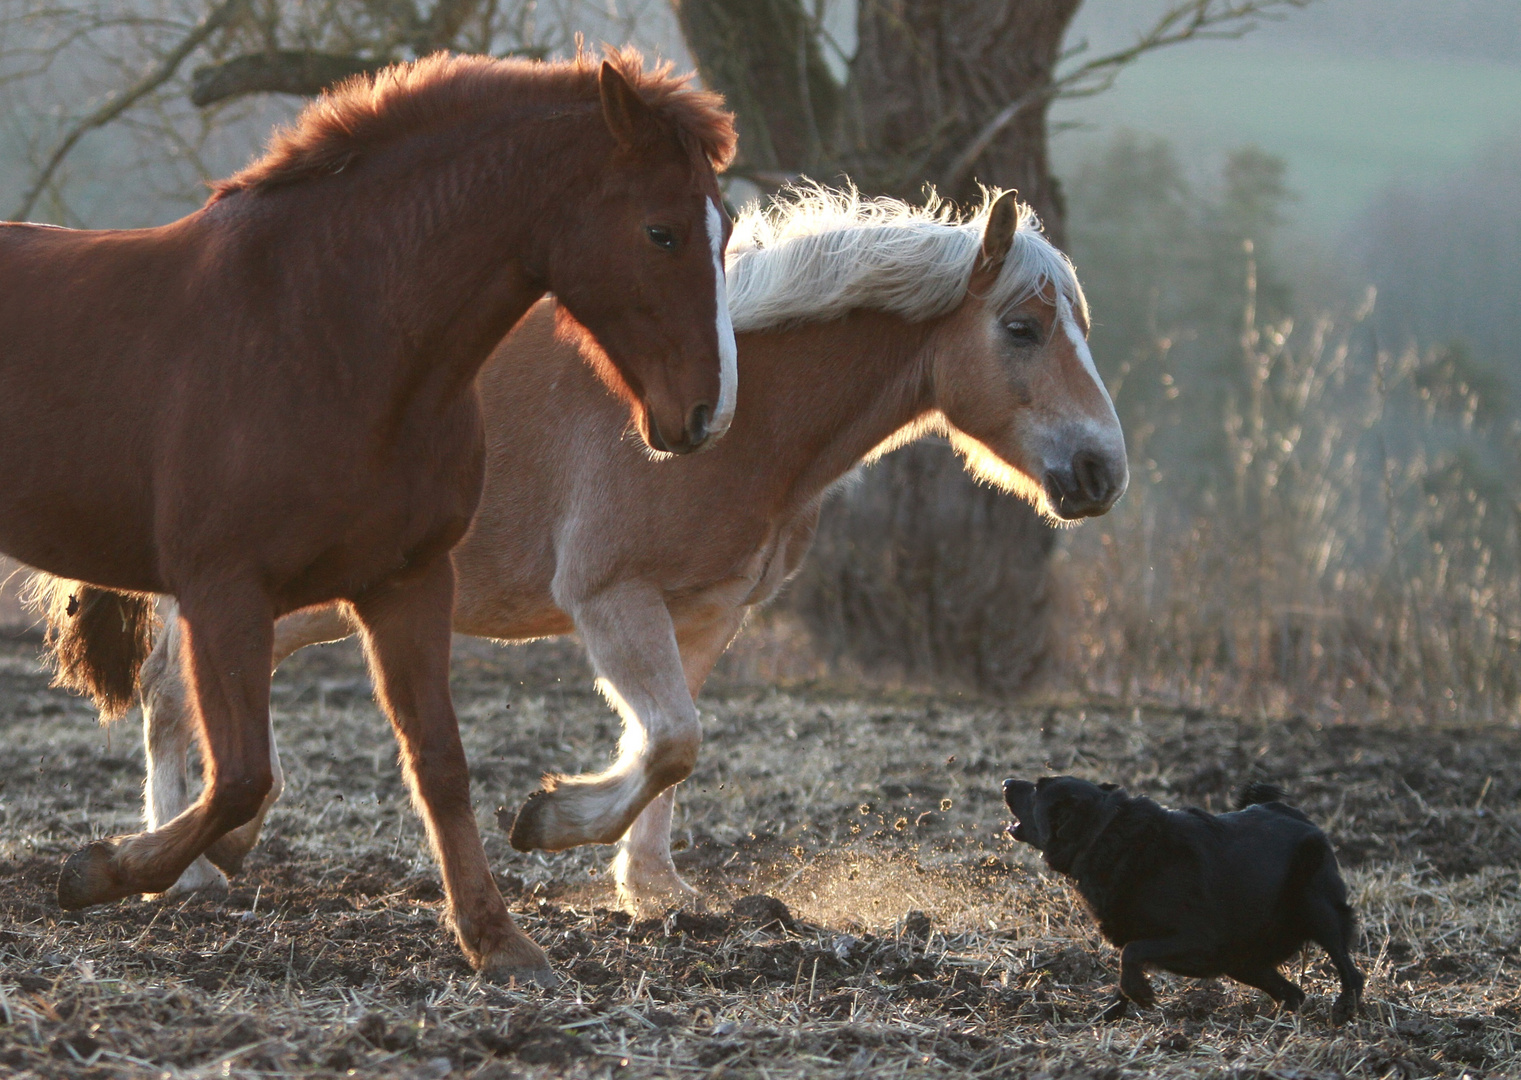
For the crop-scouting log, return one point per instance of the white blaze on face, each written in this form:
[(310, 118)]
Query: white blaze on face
[(1068, 319), (1105, 431), (728, 353)]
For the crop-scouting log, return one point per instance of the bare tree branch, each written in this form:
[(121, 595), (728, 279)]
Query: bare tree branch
[(287, 71), (1182, 22), (125, 99)]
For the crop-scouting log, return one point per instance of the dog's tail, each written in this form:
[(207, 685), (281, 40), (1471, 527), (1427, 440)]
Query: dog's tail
[(1258, 792), (97, 639)]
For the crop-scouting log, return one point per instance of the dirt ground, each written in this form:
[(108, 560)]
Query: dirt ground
[(906, 935)]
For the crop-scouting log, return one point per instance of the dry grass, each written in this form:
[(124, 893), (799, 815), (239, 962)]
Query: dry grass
[(329, 956)]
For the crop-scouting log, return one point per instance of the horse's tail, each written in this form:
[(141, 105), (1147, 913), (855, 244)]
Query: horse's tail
[(97, 639)]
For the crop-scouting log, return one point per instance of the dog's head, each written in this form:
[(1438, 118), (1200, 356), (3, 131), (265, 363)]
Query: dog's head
[(1059, 815)]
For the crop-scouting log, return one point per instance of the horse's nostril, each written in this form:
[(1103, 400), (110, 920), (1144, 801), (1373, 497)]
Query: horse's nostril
[(656, 439), (1091, 476), (697, 424)]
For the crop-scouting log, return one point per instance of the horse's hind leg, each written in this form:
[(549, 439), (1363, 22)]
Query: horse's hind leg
[(632, 644), (644, 871), (226, 644), (407, 632)]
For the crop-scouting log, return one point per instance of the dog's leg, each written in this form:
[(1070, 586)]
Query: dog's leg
[(1331, 927), (1270, 981), (1180, 953)]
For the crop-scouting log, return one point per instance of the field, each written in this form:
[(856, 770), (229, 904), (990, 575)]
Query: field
[(907, 935)]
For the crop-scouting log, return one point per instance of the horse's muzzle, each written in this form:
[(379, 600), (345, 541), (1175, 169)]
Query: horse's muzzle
[(1088, 486), (697, 433)]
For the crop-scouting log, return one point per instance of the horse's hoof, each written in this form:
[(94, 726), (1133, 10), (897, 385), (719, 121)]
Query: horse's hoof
[(528, 827), (516, 960), (653, 894), (87, 878)]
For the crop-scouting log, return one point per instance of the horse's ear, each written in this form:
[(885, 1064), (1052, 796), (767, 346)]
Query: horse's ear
[(632, 122), (997, 239)]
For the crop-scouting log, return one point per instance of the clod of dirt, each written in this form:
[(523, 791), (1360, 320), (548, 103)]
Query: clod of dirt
[(1174, 1042), (695, 925), (545, 1045), (763, 912), (1069, 967), (374, 1030), (917, 926)]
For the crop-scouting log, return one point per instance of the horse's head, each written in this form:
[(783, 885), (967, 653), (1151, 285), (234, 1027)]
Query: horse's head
[(1016, 383), (641, 266)]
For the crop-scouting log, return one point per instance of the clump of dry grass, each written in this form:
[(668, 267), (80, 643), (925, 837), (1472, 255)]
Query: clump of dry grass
[(855, 810), (1356, 551)]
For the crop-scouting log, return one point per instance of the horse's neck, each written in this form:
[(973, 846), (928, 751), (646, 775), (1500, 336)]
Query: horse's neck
[(827, 394), (442, 252)]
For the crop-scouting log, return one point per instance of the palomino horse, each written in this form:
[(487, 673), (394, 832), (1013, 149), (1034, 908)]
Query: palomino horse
[(271, 403), (863, 324)]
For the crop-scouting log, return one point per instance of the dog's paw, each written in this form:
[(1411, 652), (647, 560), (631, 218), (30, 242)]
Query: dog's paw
[(1346, 1007), (1116, 1011)]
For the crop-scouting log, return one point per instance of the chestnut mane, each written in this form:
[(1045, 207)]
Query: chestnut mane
[(368, 111)]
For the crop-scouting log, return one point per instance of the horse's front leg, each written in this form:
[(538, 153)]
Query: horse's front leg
[(168, 732), (643, 871), (407, 631), (225, 642), (312, 626), (169, 728), (631, 641)]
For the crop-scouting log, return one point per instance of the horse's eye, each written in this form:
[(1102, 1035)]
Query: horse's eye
[(1023, 331), (661, 236)]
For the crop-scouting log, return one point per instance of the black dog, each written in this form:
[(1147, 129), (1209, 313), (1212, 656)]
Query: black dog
[(1195, 893)]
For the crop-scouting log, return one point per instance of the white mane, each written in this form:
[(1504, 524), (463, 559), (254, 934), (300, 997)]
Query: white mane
[(814, 254)]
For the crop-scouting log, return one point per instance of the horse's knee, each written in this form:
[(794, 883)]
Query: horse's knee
[(235, 798), (673, 752)]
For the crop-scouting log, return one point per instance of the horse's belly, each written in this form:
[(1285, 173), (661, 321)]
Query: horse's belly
[(107, 543)]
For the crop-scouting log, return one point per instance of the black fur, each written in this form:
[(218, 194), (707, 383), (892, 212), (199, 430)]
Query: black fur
[(1194, 893)]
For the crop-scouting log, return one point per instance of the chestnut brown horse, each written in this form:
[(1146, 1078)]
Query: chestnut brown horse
[(862, 325), (271, 403)]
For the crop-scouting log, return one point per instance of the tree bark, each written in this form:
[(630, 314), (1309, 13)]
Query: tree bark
[(929, 73), (764, 57)]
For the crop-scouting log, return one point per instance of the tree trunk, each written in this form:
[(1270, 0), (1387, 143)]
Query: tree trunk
[(928, 74), (918, 572)]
